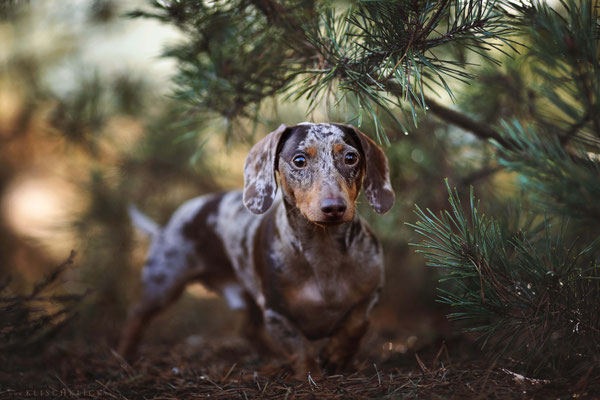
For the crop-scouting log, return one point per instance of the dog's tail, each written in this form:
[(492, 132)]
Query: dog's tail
[(142, 221)]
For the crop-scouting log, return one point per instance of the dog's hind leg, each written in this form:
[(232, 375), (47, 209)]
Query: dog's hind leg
[(151, 303), (172, 262)]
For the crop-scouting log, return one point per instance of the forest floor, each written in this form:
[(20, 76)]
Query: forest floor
[(192, 352), (227, 368)]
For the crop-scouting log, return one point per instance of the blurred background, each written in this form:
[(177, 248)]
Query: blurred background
[(88, 125)]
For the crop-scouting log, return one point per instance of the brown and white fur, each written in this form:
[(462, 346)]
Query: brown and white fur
[(303, 264)]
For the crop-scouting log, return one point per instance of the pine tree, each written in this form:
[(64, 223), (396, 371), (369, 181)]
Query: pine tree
[(526, 81), (528, 280)]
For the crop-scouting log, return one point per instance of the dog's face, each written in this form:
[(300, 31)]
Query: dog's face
[(321, 168)]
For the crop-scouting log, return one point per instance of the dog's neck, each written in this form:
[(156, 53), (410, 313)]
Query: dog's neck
[(308, 234)]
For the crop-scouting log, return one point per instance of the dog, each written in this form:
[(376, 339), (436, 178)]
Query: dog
[(301, 262)]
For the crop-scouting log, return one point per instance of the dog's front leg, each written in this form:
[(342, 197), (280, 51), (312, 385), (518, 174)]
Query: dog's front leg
[(345, 341), (292, 344)]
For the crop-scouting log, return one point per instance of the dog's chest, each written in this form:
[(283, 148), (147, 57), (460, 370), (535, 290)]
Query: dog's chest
[(317, 299)]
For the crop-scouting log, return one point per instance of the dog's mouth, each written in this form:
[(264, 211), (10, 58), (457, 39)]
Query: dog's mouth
[(329, 221)]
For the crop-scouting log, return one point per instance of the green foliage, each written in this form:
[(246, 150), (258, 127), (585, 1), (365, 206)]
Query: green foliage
[(393, 48), (560, 182), (501, 92), (554, 83), (105, 242), (375, 57), (123, 143), (10, 9), (232, 58), (527, 291), (83, 113), (563, 52), (528, 281)]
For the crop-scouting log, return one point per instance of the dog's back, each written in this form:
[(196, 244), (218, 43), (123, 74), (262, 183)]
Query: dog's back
[(191, 247)]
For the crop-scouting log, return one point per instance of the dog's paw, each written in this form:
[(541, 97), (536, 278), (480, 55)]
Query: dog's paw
[(306, 368), (335, 363)]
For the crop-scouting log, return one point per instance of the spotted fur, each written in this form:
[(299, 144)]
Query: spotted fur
[(302, 274)]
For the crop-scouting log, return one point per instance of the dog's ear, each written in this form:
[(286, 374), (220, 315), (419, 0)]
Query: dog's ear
[(260, 185), (378, 187)]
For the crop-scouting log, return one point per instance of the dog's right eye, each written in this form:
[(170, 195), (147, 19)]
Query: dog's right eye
[(299, 161)]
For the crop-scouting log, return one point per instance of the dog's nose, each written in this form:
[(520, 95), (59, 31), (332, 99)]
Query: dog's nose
[(333, 207)]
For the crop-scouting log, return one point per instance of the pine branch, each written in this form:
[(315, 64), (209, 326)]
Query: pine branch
[(564, 54), (358, 55), (280, 16), (483, 173), (456, 118), (525, 291), (561, 182)]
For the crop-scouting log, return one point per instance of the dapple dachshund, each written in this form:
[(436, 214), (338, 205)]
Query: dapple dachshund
[(303, 264)]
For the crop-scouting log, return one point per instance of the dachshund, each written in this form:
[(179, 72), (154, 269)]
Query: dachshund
[(302, 262)]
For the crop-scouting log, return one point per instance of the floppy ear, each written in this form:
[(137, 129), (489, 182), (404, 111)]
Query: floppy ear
[(260, 185), (378, 187)]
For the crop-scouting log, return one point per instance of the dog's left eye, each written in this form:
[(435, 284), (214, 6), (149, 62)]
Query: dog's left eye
[(299, 161), (350, 158)]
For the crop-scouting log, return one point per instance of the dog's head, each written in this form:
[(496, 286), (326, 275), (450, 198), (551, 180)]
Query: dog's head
[(321, 168)]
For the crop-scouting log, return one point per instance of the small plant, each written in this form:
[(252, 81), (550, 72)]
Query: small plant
[(28, 323)]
